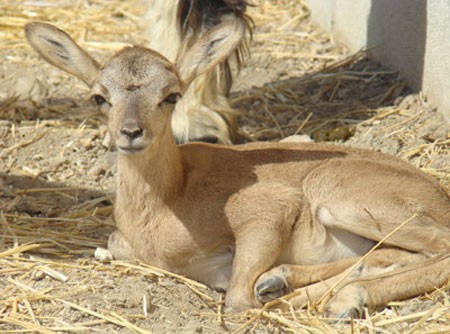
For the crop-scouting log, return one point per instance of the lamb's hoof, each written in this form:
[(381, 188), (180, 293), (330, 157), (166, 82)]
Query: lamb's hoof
[(344, 314), (268, 288), (348, 303), (238, 308), (237, 304)]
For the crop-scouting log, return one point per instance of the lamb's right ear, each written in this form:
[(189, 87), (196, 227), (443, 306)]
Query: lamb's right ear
[(60, 50)]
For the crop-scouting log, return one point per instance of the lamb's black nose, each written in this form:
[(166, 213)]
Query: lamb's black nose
[(132, 131)]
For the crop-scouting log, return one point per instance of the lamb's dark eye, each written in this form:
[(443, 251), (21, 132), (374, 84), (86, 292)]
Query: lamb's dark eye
[(98, 99), (172, 98)]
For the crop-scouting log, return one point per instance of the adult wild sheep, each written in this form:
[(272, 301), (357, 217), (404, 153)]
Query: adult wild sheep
[(204, 113)]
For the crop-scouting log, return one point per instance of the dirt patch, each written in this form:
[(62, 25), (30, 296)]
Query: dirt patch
[(57, 176)]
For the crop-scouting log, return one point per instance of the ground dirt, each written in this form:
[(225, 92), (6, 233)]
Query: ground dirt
[(57, 174)]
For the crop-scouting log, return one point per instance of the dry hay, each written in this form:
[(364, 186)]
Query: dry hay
[(55, 188)]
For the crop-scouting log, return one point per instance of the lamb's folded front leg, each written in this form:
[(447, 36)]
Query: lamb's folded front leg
[(260, 234)]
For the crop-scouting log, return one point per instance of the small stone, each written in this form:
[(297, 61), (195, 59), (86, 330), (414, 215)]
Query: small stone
[(31, 171), (297, 139), (38, 275), (87, 143), (103, 255), (107, 141)]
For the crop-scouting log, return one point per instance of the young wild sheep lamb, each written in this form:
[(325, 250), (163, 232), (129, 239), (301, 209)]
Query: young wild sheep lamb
[(255, 219), (204, 113)]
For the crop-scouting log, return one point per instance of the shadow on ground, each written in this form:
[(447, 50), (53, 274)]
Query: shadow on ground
[(64, 221), (325, 105)]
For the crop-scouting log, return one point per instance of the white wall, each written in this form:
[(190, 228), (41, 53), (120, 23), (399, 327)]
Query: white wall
[(411, 36)]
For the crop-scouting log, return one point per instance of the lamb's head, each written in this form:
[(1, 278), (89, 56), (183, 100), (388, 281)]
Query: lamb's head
[(137, 88)]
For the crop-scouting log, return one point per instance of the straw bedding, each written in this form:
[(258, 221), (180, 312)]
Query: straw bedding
[(57, 176)]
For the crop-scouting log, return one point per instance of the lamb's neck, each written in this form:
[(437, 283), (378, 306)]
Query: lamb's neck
[(152, 179)]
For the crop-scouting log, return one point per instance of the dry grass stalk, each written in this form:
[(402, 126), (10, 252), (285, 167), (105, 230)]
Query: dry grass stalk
[(113, 318), (325, 298), (35, 138)]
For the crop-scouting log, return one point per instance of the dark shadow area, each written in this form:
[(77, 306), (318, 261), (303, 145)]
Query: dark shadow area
[(29, 94), (326, 105), (396, 36), (67, 111), (64, 221)]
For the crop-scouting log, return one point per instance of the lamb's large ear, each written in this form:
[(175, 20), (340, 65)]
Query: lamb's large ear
[(211, 49), (60, 50)]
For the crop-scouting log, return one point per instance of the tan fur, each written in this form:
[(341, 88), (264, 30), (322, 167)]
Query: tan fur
[(204, 113), (227, 216)]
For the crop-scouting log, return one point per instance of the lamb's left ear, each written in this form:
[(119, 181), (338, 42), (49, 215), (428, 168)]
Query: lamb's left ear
[(211, 49), (60, 50)]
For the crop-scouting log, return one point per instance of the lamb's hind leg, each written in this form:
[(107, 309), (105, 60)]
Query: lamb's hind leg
[(333, 277), (378, 289), (373, 207), (398, 201)]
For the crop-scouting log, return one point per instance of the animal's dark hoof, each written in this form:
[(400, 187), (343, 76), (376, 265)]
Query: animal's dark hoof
[(270, 288)]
